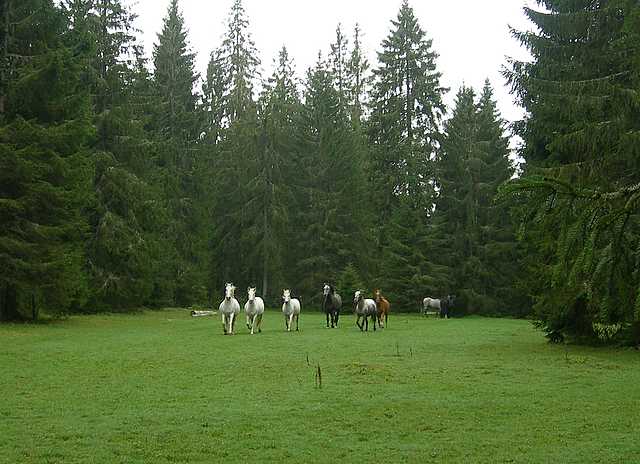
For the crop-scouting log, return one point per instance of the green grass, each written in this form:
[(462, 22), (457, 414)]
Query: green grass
[(163, 387)]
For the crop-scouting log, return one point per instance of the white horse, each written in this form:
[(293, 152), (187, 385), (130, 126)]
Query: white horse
[(254, 308), (229, 309), (442, 306), (365, 308), (290, 309)]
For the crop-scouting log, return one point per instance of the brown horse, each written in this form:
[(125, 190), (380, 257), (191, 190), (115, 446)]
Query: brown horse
[(383, 307)]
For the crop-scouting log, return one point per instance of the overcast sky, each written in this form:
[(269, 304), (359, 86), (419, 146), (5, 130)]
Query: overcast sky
[(471, 36)]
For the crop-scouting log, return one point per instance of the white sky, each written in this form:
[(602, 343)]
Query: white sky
[(471, 36)]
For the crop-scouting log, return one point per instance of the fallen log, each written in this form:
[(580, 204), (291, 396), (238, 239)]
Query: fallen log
[(195, 313)]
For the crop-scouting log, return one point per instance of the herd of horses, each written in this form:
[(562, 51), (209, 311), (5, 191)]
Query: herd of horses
[(375, 309)]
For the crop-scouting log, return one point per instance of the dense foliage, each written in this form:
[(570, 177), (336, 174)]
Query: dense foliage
[(128, 183), (579, 200)]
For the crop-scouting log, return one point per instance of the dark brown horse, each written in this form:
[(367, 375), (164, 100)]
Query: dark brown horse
[(383, 307)]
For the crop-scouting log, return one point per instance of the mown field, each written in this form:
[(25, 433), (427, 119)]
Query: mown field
[(162, 387)]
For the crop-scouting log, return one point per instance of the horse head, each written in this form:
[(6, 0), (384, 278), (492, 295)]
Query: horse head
[(251, 291), (357, 297), (326, 289), (286, 295), (229, 291), (378, 295)]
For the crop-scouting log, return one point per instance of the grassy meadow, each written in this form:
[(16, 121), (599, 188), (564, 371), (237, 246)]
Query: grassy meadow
[(163, 387)]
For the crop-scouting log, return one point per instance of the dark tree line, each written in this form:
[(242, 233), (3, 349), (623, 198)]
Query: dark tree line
[(125, 183)]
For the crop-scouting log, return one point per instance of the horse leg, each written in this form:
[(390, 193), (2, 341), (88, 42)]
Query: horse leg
[(224, 324), (337, 317), (248, 322), (386, 318), (297, 319), (327, 313), (253, 323), (232, 323), (290, 322), (374, 322), (259, 323)]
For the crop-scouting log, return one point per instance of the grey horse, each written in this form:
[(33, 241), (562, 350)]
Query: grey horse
[(365, 308), (441, 305)]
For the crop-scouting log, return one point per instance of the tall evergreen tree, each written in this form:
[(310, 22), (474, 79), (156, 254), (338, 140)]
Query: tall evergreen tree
[(174, 78), (124, 249), (273, 170), (357, 79), (579, 197), (472, 238), (338, 61), (232, 71), (455, 222), (499, 251), (44, 129), (406, 112), (333, 219), (231, 74), (406, 273), (177, 127)]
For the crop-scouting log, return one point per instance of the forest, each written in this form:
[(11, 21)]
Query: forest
[(128, 182)]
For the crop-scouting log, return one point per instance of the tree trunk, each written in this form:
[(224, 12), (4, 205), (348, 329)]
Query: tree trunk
[(35, 311), (9, 304), (264, 252)]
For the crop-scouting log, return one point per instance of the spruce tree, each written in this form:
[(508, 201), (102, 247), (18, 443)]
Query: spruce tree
[(124, 249), (232, 71), (406, 111), (44, 175), (233, 116), (338, 63), (273, 174), (499, 252), (177, 127), (357, 79), (455, 224), (472, 238), (333, 223), (406, 275), (579, 197)]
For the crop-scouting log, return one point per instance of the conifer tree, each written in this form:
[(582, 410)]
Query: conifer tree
[(230, 85), (407, 273), (44, 129), (177, 127), (338, 62), (123, 250), (499, 251), (175, 78), (455, 220), (471, 237), (232, 70), (406, 112), (333, 219), (272, 192), (357, 79), (579, 198)]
